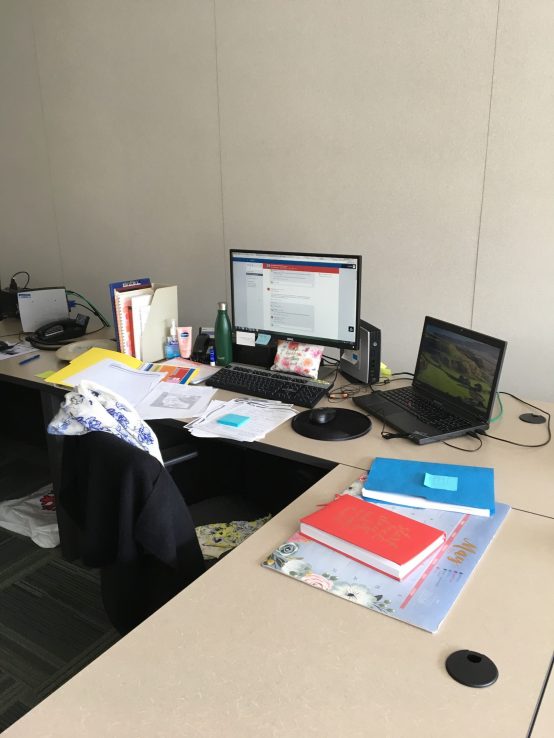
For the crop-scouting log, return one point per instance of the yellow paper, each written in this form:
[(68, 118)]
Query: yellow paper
[(89, 358), (43, 375)]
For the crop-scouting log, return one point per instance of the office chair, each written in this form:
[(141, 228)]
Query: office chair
[(134, 523)]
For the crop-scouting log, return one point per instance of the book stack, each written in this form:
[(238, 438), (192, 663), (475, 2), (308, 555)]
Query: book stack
[(425, 526), (142, 314)]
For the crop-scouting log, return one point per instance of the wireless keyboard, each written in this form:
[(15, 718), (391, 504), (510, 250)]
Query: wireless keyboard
[(270, 385)]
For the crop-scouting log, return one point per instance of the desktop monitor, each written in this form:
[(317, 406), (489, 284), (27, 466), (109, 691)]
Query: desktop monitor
[(305, 297)]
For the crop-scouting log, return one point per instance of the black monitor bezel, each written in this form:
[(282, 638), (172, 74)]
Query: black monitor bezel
[(316, 340), (458, 405)]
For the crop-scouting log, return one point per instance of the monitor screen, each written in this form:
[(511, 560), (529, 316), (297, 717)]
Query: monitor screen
[(311, 298)]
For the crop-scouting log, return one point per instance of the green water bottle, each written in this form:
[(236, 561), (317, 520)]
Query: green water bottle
[(223, 340)]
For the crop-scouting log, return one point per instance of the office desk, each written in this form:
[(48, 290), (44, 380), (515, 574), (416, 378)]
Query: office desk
[(524, 476), (246, 652)]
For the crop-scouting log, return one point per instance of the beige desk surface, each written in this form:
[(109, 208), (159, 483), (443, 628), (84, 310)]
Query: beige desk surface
[(248, 652), (544, 724), (524, 477)]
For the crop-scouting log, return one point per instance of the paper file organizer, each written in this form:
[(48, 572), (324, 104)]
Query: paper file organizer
[(163, 309)]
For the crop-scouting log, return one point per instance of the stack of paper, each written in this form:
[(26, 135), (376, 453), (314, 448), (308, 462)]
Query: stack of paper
[(175, 401), (242, 419), (131, 384), (136, 382)]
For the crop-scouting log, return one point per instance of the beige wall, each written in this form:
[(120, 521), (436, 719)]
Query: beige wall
[(141, 137)]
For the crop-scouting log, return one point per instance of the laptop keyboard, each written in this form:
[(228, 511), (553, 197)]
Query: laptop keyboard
[(426, 410), (269, 385)]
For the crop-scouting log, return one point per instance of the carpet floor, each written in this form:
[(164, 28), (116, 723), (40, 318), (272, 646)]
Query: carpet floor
[(52, 623)]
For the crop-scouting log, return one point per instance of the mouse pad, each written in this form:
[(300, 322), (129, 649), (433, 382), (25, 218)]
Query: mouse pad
[(342, 426)]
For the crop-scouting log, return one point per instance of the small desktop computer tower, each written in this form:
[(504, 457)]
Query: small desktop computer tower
[(363, 364)]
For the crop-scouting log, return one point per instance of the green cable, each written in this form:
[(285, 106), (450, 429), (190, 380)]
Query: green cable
[(94, 309), (497, 417)]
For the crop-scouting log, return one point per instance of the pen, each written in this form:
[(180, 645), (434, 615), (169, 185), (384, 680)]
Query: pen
[(31, 358)]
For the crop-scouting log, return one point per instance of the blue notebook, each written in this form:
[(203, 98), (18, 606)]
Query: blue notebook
[(462, 489)]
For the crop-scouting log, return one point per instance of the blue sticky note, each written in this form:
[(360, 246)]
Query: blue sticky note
[(440, 481), (233, 420), (263, 339)]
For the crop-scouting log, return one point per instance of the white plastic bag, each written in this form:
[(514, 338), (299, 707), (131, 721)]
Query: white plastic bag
[(33, 516)]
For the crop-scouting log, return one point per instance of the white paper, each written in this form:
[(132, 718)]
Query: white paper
[(263, 417), (140, 307), (131, 384), (15, 350), (245, 338), (177, 401)]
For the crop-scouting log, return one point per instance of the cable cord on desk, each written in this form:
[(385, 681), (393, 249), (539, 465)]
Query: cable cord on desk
[(89, 306), (346, 391), (515, 443)]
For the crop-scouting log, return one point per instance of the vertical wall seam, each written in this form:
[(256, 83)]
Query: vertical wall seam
[(476, 269), (47, 143), (220, 146)]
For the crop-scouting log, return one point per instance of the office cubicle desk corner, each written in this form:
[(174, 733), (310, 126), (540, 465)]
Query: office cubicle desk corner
[(254, 653), (523, 476)]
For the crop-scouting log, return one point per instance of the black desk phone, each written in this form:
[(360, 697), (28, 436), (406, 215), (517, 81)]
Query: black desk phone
[(59, 331), (201, 349)]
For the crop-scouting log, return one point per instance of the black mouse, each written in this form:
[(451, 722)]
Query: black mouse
[(321, 415), (4, 345)]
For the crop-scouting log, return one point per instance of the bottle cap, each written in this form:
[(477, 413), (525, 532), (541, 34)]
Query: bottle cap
[(222, 305), (173, 329)]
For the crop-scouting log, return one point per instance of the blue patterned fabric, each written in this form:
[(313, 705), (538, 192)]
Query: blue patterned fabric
[(90, 407)]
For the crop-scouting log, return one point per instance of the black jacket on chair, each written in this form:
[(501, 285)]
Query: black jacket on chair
[(135, 525)]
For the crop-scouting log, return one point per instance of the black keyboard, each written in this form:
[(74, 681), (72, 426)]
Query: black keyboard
[(269, 385), (426, 410)]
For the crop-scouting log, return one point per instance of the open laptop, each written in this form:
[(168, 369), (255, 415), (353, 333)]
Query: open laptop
[(453, 389)]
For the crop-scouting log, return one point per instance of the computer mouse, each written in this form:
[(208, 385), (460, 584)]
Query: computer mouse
[(4, 345), (321, 415)]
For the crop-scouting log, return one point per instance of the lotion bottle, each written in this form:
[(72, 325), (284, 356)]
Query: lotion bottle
[(184, 335)]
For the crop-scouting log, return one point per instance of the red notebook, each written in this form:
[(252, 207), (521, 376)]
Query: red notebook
[(380, 538)]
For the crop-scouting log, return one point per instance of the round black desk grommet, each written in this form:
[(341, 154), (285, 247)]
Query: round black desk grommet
[(533, 418), (471, 668)]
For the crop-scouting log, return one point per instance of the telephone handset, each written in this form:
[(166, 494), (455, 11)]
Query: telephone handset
[(201, 349), (59, 331)]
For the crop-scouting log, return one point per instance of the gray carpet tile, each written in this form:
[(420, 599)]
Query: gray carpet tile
[(52, 623), (12, 713), (19, 555)]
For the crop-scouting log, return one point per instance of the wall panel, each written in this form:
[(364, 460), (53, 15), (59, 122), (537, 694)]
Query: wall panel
[(130, 105), (515, 275), (361, 127), (28, 237)]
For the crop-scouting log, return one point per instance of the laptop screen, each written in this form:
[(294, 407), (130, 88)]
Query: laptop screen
[(460, 365)]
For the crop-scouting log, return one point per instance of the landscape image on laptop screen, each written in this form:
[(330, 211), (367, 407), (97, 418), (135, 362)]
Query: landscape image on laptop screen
[(458, 366)]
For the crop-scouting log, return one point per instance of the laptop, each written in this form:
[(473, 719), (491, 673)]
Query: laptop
[(453, 390)]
